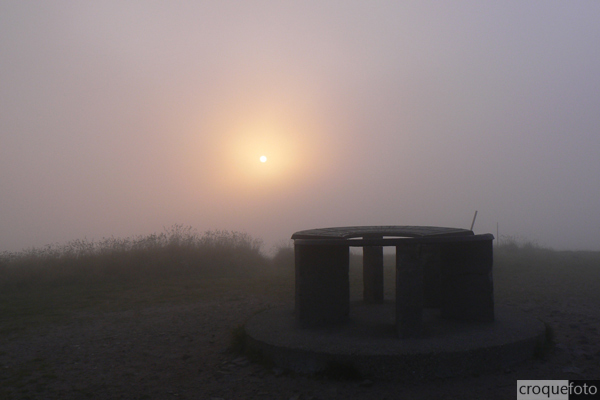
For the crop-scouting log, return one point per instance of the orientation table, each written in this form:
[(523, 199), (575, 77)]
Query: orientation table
[(436, 267)]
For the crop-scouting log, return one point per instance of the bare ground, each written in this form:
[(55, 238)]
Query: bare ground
[(180, 351)]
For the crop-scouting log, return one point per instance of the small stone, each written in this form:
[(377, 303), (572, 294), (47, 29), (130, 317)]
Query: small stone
[(366, 383), (571, 369), (560, 346), (583, 340), (241, 361)]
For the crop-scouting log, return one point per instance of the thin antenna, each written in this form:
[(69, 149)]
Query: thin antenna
[(473, 223)]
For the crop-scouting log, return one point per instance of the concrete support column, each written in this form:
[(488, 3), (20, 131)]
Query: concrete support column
[(432, 275), (467, 285), (409, 290), (322, 284), (373, 274)]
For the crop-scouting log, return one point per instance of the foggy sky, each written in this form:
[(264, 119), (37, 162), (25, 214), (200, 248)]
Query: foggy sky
[(121, 118)]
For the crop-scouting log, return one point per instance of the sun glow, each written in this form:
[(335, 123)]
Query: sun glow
[(284, 136), (252, 141)]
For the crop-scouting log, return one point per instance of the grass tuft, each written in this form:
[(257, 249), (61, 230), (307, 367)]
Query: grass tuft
[(238, 340), (545, 343)]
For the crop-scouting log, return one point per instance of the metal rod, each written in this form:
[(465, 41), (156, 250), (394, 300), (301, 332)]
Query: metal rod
[(473, 223)]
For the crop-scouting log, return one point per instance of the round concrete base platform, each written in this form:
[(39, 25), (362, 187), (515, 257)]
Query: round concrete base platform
[(368, 345)]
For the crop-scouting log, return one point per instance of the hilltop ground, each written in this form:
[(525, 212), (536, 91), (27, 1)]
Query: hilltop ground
[(171, 338)]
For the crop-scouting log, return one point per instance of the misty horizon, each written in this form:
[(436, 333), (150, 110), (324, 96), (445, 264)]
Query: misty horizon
[(123, 119)]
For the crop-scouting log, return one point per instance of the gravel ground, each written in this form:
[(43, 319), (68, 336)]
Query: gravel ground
[(181, 352)]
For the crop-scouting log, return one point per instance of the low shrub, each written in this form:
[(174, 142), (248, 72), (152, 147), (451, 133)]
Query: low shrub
[(284, 257)]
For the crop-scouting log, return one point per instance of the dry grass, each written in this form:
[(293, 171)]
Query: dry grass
[(178, 251), (179, 265)]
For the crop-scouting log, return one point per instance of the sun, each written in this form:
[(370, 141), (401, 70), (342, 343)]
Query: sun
[(263, 159)]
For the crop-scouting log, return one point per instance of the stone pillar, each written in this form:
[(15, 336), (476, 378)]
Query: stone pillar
[(409, 290), (322, 284), (432, 275), (373, 274), (467, 286)]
